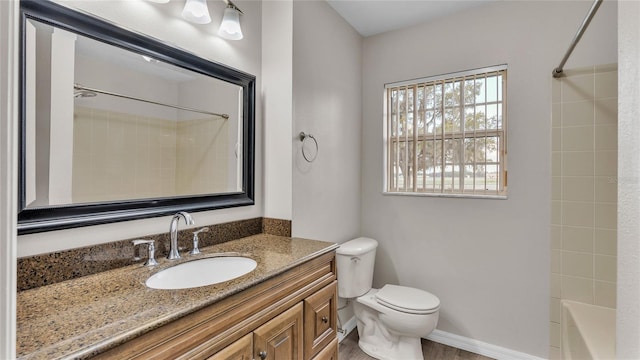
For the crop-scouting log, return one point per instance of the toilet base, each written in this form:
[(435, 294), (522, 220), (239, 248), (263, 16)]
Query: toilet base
[(405, 349)]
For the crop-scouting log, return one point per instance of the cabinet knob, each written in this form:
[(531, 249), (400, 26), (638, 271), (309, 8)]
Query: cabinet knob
[(262, 354), (325, 319)]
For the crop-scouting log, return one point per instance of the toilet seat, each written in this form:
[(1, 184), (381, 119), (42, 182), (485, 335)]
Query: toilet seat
[(407, 300)]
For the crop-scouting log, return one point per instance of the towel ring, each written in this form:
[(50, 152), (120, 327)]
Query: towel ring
[(304, 137)]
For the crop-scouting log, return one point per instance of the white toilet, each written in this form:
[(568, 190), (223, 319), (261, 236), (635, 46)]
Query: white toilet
[(391, 320)]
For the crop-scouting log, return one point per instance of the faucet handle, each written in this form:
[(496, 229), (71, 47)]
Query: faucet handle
[(151, 248), (196, 250)]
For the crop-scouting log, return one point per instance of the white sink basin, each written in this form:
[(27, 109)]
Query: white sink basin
[(201, 272)]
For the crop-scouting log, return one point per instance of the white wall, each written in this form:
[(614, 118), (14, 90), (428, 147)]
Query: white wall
[(277, 32), (8, 174), (487, 260), (327, 104), (245, 55), (628, 315)]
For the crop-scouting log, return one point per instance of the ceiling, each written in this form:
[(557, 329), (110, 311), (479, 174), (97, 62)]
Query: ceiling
[(370, 17)]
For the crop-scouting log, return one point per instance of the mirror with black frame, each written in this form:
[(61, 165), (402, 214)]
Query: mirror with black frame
[(118, 126)]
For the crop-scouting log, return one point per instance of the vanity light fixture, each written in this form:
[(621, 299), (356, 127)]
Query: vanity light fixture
[(230, 27), (196, 11)]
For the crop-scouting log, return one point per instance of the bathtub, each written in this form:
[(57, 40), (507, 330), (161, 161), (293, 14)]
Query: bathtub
[(588, 331)]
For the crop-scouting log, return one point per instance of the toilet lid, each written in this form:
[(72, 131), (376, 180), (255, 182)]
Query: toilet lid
[(406, 299)]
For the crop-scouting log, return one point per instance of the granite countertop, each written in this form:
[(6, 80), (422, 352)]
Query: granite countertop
[(83, 317)]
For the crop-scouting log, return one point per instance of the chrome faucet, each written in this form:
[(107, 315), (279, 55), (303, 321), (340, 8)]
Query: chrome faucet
[(173, 232)]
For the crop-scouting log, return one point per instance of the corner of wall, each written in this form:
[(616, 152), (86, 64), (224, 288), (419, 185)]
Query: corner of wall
[(8, 175), (628, 301)]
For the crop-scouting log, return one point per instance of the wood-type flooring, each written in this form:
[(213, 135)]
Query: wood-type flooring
[(349, 350)]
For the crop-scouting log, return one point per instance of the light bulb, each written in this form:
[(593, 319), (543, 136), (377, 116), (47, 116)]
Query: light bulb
[(230, 26), (196, 11)]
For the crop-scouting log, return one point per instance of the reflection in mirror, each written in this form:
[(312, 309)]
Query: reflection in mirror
[(112, 125), (115, 125)]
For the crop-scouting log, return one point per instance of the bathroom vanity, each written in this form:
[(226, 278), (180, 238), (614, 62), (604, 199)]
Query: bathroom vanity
[(284, 309)]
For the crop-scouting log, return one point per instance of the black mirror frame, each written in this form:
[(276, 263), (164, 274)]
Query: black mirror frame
[(77, 215)]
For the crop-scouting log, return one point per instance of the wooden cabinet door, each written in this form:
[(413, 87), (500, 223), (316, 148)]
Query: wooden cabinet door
[(320, 320), (330, 352), (240, 350), (281, 337)]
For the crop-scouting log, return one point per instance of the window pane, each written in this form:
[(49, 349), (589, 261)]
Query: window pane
[(394, 101), (480, 178), (430, 94), (429, 164), (401, 164), (410, 168), (492, 89), (480, 90), (469, 121), (492, 116), (469, 177), (438, 121), (479, 120), (438, 95), (469, 151), (452, 94), (394, 124), (402, 115), (469, 92), (421, 122), (393, 150), (429, 120), (438, 158), (410, 93), (449, 121), (480, 155), (492, 149), (492, 177)]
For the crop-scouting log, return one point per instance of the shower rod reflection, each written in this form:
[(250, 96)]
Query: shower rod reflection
[(80, 87)]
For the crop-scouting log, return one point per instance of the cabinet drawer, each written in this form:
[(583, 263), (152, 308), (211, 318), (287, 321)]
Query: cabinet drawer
[(330, 352), (240, 350), (320, 318), (281, 337)]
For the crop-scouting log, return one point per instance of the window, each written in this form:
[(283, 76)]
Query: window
[(447, 134)]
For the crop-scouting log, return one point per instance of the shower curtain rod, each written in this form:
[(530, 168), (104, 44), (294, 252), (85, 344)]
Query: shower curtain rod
[(557, 72), (80, 87)]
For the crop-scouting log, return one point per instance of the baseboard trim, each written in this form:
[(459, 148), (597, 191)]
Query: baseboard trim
[(478, 347), (348, 327)]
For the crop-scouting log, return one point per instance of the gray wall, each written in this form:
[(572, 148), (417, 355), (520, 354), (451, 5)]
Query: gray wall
[(326, 103), (628, 313), (487, 260)]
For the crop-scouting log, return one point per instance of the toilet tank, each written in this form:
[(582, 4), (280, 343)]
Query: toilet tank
[(355, 259)]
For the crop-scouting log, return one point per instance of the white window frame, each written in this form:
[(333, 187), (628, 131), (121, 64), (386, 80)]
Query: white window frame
[(413, 186)]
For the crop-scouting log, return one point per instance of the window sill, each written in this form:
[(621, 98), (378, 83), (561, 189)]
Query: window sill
[(463, 196)]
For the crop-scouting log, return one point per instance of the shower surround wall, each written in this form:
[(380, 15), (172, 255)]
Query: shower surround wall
[(584, 191), (133, 157)]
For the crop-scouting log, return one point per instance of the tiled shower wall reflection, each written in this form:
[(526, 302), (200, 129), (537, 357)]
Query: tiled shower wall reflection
[(120, 156), (584, 191)]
